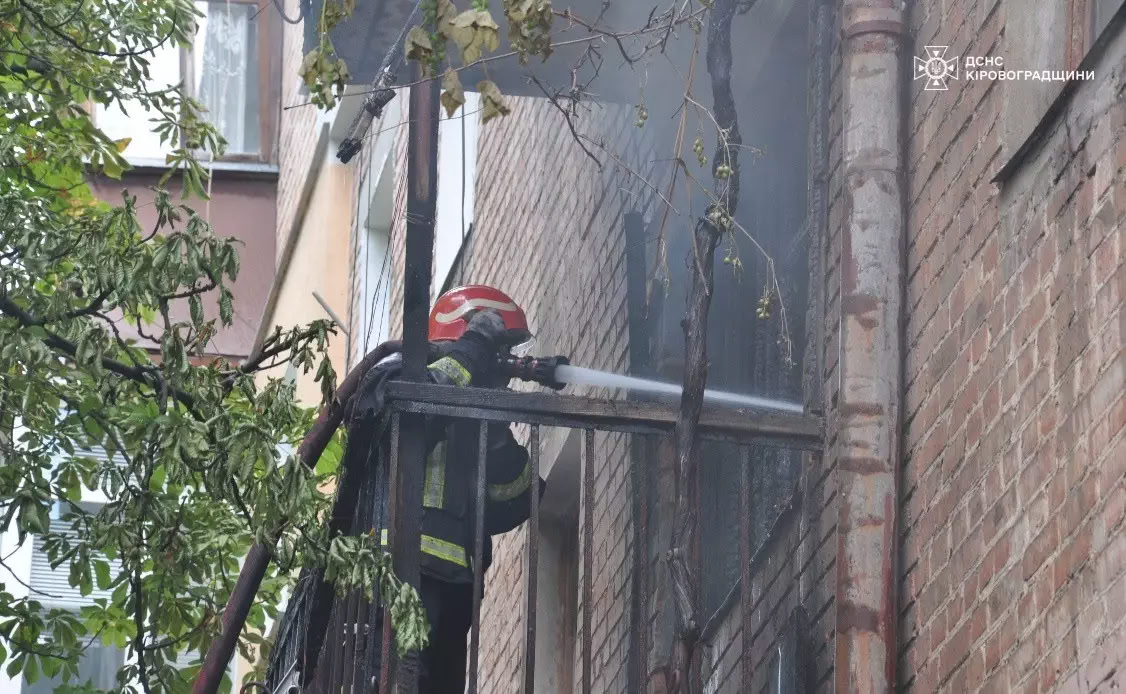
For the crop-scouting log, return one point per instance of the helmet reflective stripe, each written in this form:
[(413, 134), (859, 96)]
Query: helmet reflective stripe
[(448, 316), (473, 305)]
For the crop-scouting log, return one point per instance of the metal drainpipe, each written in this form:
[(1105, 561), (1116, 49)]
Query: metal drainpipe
[(871, 314)]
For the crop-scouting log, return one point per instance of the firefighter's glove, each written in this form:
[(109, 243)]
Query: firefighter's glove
[(489, 325), (475, 352)]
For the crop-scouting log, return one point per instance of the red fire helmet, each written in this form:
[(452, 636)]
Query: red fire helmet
[(449, 317)]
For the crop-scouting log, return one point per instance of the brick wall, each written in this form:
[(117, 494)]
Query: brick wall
[(819, 538), (1011, 514), (776, 570), (1013, 552), (548, 230)]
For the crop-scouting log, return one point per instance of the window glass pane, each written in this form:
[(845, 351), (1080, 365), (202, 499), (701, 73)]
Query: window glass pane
[(134, 121), (1102, 11), (226, 71), (457, 166)]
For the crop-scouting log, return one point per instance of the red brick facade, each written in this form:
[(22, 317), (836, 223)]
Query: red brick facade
[(1011, 552), (1014, 555)]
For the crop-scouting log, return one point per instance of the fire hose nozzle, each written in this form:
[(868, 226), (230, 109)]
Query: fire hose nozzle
[(537, 369)]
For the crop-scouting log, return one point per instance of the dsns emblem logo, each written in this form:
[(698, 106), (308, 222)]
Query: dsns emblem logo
[(935, 68)]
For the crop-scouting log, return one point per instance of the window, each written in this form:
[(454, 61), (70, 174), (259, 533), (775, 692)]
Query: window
[(56, 582), (374, 261), (746, 353), (99, 663), (1101, 12), (1058, 35), (457, 168), (228, 69), (223, 71)]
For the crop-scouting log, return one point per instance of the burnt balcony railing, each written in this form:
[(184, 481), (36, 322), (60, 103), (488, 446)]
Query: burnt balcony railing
[(346, 662)]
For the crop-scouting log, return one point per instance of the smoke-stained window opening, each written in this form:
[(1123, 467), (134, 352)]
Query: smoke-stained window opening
[(757, 325)]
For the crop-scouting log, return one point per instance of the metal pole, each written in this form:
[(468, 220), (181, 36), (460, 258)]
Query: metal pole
[(634, 228), (745, 593), (588, 555), (422, 180), (531, 569), (478, 555), (234, 616)]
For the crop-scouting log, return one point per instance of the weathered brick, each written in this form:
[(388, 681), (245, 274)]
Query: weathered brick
[(1032, 426)]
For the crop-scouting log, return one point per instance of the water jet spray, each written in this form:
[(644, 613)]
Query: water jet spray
[(557, 372)]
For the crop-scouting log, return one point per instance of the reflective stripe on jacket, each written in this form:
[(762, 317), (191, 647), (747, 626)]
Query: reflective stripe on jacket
[(449, 482)]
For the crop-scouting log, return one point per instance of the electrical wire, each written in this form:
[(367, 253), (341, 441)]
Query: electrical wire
[(281, 13), (379, 95)]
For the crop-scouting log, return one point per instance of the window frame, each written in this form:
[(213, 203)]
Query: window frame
[(269, 92), (269, 81)]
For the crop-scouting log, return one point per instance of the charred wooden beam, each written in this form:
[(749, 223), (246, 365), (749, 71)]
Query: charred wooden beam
[(422, 188)]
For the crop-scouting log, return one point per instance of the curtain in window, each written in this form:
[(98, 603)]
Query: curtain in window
[(226, 71)]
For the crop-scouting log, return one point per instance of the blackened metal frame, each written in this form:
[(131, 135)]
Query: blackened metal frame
[(406, 399)]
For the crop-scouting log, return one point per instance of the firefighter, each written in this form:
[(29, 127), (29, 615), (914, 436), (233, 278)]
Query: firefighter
[(470, 327)]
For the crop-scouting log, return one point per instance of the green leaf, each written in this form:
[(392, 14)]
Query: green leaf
[(196, 306), (91, 403), (156, 482), (15, 665), (73, 488), (31, 669), (101, 569), (112, 168), (226, 306), (329, 461)]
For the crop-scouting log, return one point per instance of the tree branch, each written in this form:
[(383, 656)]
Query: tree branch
[(705, 238), (566, 117), (145, 377), (105, 54)]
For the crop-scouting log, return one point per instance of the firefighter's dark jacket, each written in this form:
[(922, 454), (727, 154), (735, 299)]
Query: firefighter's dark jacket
[(449, 487)]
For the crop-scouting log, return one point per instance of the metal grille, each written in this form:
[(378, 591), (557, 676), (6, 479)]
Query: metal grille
[(347, 662)]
